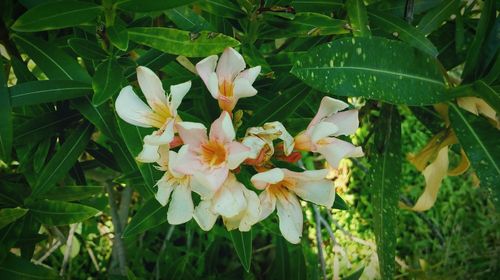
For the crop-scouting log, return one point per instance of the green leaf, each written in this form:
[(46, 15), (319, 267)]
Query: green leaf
[(153, 59), (54, 62), (187, 19), (58, 213), (480, 141), (14, 267), (340, 203), (151, 5), (355, 275), (180, 42), (72, 193), (100, 116), (38, 92), (435, 17), (133, 137), (358, 18), (405, 32), (280, 107), (488, 15), (385, 181), (55, 15), (365, 67), (6, 126), (118, 35), (150, 215), (254, 58), (488, 93), (222, 8), (242, 242), (107, 81), (43, 126), (9, 215), (63, 160), (303, 25), (87, 49), (319, 6)]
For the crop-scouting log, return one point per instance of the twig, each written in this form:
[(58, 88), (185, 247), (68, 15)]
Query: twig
[(163, 246), (124, 206), (92, 257), (67, 252), (319, 241), (117, 242), (47, 254)]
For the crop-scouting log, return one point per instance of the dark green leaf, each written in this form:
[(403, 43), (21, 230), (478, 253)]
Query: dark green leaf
[(41, 153), (340, 203), (242, 242), (385, 181), (358, 18), (151, 5), (107, 81), (55, 15), (57, 213), (355, 275), (54, 62), (222, 8), (404, 31), (320, 6), (435, 17), (118, 36), (38, 92), (488, 93), (63, 160), (9, 215), (21, 71), (481, 143), (254, 58), (153, 59), (101, 116), (180, 42), (43, 126), (14, 267), (365, 67), (187, 19), (150, 215), (87, 49), (72, 193), (6, 127)]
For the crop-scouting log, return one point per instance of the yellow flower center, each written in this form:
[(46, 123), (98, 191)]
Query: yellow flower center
[(226, 88), (282, 186), (213, 153)]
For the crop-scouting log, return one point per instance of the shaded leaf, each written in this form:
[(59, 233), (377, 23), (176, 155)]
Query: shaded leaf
[(242, 242), (38, 92), (14, 267), (358, 18), (6, 126), (72, 193), (87, 49), (118, 35), (107, 81), (150, 215), (435, 17), (9, 215), (56, 213), (488, 93), (151, 5)]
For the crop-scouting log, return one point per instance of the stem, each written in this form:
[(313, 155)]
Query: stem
[(67, 252), (319, 240), (118, 245)]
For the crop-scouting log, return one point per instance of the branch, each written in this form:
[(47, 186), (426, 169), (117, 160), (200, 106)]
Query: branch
[(117, 242), (67, 252), (319, 241)]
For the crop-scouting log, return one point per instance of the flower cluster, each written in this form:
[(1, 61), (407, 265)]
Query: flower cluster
[(205, 162)]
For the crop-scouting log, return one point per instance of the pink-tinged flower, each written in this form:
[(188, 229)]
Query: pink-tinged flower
[(238, 206), (161, 112), (281, 188), (177, 186), (226, 80), (328, 123), (209, 159)]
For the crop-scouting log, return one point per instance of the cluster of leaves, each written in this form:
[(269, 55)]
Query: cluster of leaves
[(65, 62)]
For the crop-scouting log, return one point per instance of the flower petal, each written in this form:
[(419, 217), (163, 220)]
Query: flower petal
[(161, 138), (148, 154), (222, 129), (347, 122), (263, 179), (321, 192), (249, 216), (229, 200), (206, 67), (255, 144), (250, 74), (267, 204), (152, 89), (237, 154), (187, 161), (321, 130), (231, 63), (181, 207), (177, 93), (204, 216), (193, 134), (337, 149), (290, 217), (327, 107), (212, 178), (283, 134), (164, 190), (243, 88), (132, 109)]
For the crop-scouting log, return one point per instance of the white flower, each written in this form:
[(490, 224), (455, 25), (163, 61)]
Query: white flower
[(161, 112), (281, 188), (329, 122), (260, 141), (226, 80)]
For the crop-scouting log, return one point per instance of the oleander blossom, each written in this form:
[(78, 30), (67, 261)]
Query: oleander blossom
[(160, 114), (225, 78), (320, 135), (280, 190), (209, 159)]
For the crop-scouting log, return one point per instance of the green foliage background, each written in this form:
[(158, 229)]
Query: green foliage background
[(68, 174)]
